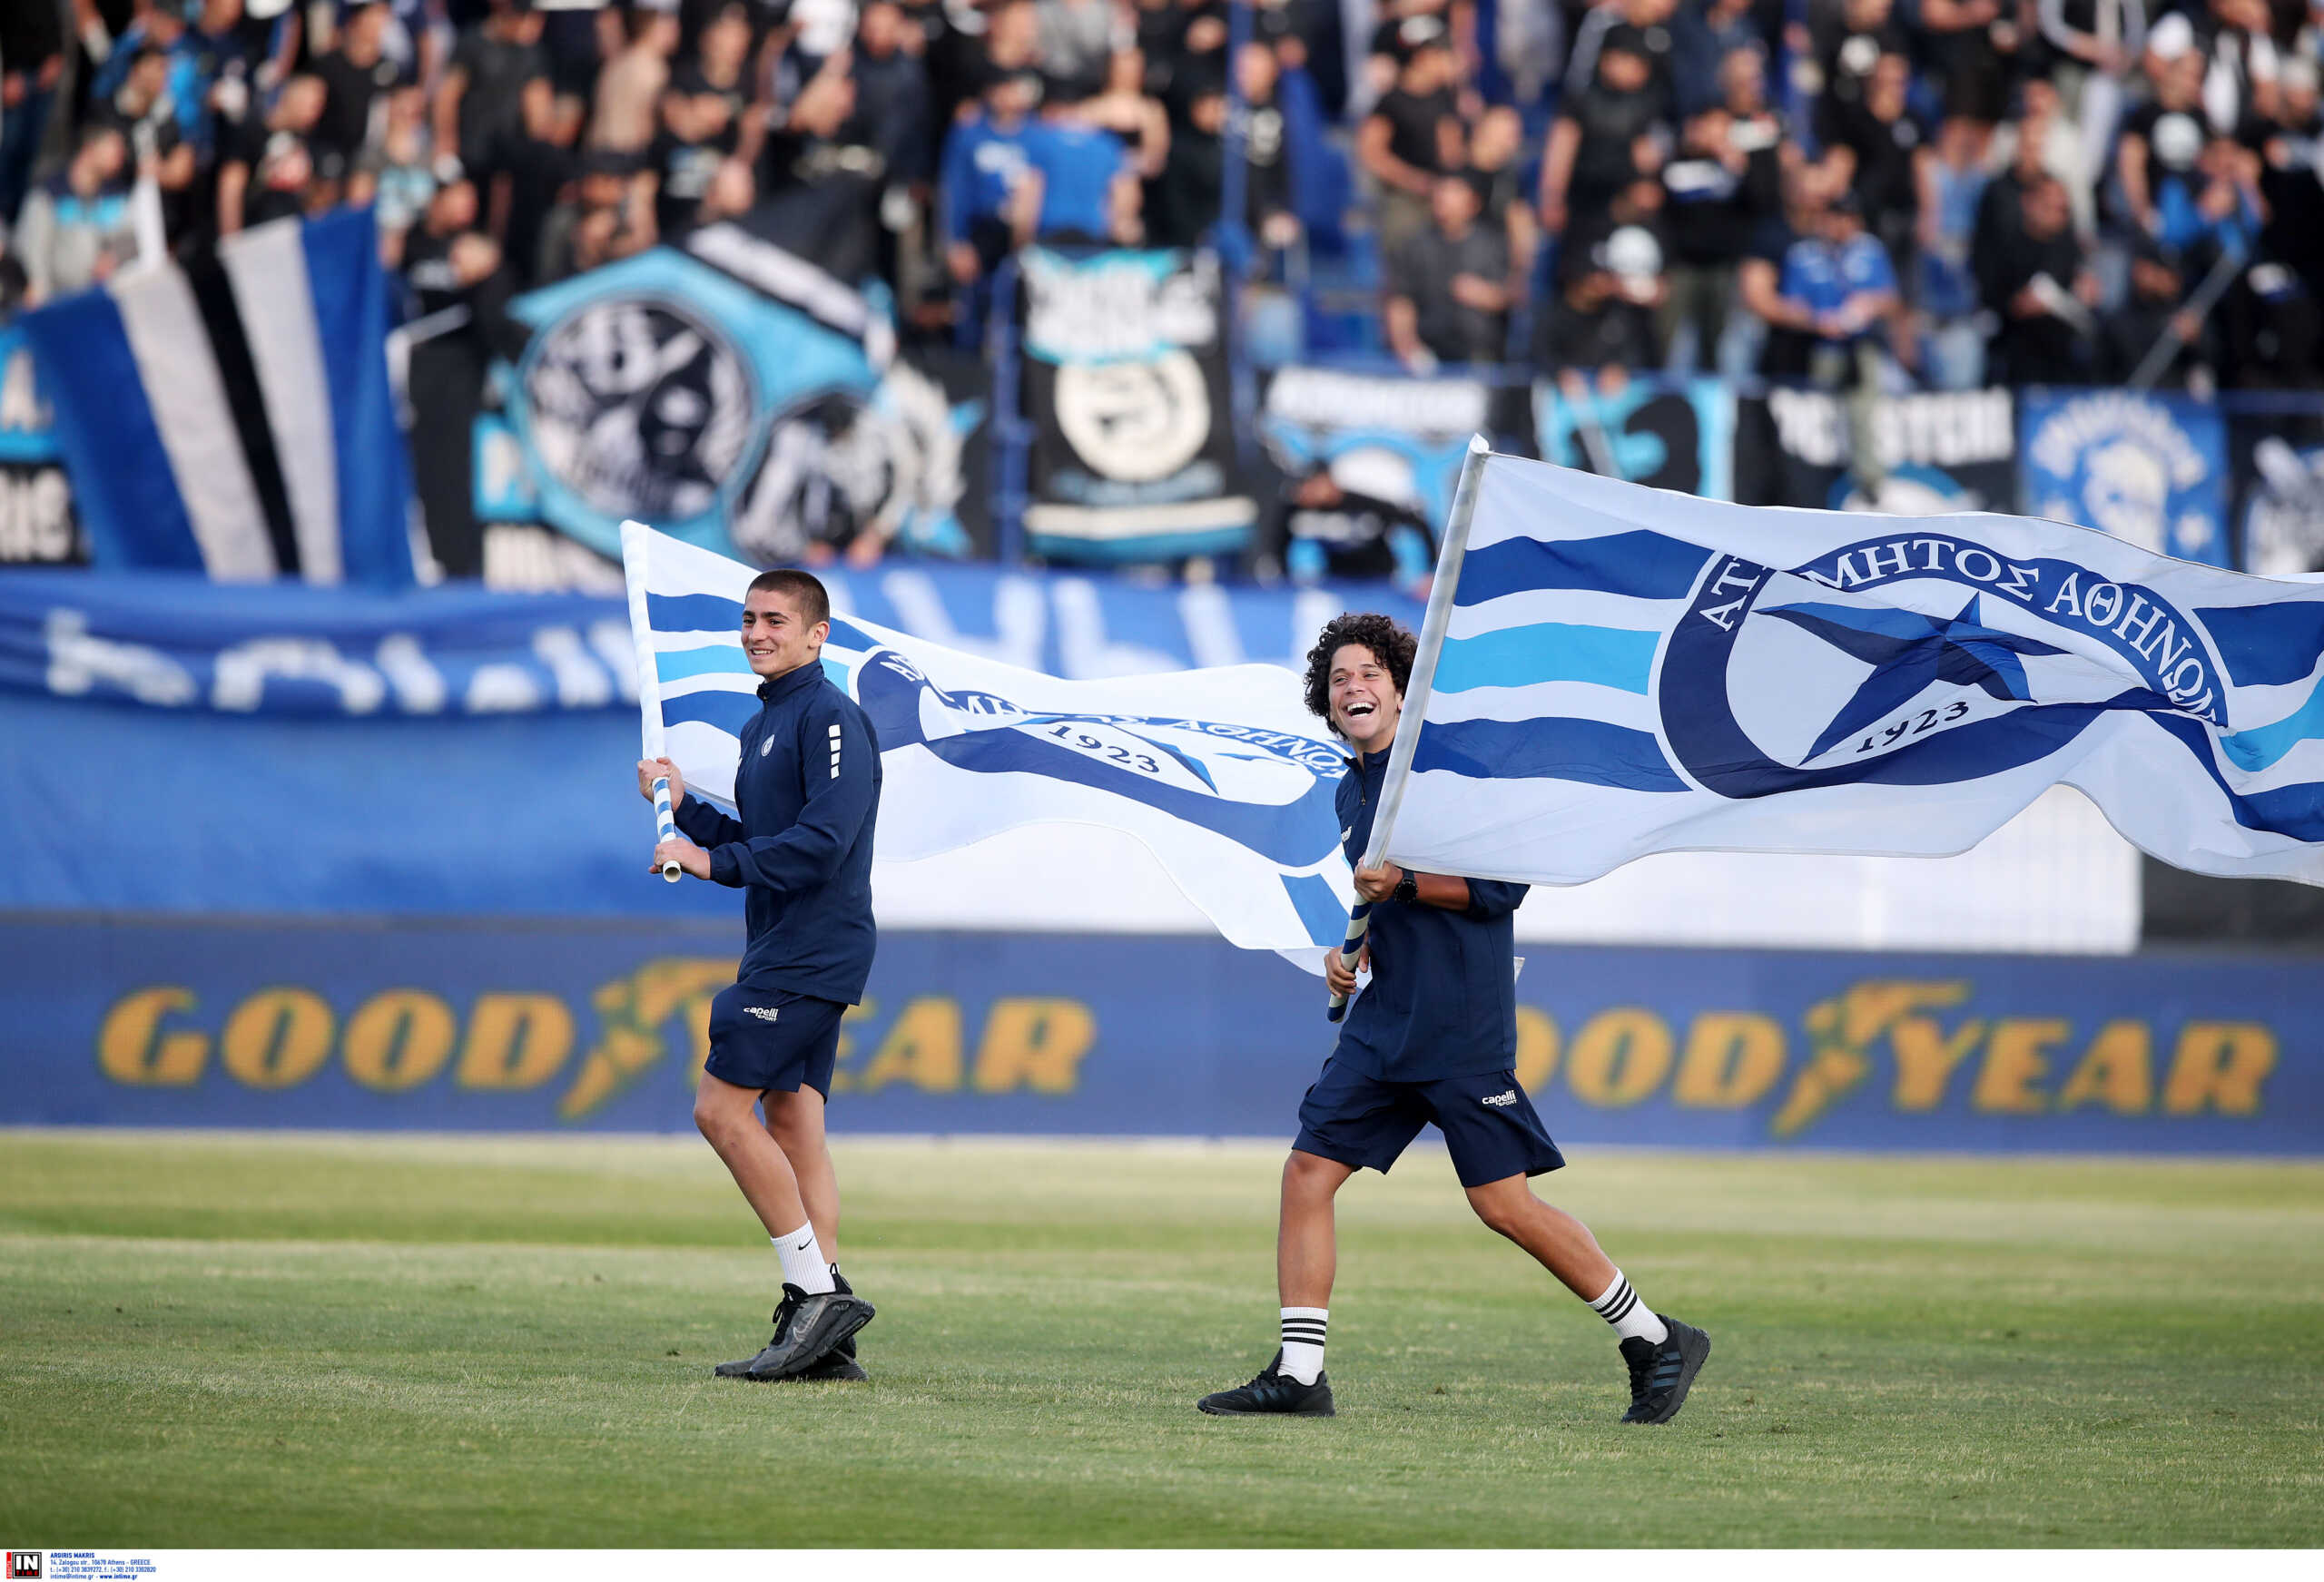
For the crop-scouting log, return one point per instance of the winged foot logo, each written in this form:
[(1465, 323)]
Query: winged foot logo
[(1948, 696)]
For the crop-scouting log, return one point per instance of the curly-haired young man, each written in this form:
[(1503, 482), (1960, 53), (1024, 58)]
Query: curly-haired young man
[(1432, 1040)]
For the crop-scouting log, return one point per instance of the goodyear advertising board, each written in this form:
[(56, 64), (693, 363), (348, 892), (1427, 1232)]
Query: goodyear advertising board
[(502, 1026)]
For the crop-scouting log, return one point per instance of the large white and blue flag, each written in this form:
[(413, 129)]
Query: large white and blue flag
[(235, 416), (1611, 670), (1221, 773)]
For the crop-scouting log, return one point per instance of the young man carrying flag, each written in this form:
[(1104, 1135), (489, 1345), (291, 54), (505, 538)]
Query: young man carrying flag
[(1432, 1040), (808, 789)]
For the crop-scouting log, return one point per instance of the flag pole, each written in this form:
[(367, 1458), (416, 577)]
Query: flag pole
[(1449, 557), (634, 536)]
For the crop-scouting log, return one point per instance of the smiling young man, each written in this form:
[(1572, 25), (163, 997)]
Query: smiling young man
[(1432, 1041), (807, 788)]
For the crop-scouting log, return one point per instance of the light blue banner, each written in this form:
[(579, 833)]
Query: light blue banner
[(2148, 468)]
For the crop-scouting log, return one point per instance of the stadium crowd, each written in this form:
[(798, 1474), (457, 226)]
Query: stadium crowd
[(1860, 193)]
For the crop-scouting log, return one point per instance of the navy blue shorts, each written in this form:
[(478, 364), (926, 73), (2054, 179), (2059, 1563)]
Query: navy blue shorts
[(763, 1038), (1488, 1125)]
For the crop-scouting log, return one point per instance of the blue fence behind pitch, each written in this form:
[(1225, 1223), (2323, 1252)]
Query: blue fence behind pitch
[(486, 1025)]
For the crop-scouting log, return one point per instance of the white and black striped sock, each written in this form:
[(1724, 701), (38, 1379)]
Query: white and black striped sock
[(1303, 1342), (1621, 1308)]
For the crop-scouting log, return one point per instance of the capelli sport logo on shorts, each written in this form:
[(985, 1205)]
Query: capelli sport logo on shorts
[(23, 1563), (763, 1013), (1500, 1100)]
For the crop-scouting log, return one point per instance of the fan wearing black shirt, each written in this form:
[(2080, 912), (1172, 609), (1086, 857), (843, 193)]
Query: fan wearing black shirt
[(147, 118), (702, 121), (1610, 282), (354, 75), (1448, 288), (1606, 137), (277, 167), (1724, 182), (1871, 143), (1413, 135), (2032, 274)]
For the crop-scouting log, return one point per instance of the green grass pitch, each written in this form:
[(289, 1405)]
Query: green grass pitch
[(259, 1340)]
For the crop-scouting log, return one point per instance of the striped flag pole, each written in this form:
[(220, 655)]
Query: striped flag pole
[(649, 683), (1449, 555)]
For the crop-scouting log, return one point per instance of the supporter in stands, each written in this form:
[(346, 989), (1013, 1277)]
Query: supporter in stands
[(1082, 187), (277, 167), (31, 64), (703, 122), (1413, 135), (1952, 182), (142, 111), (74, 228), (527, 172), (603, 220), (1703, 34), (981, 189), (401, 171), (1326, 528), (1871, 144), (1974, 46), (481, 97), (1607, 137), (1642, 27), (1723, 183), (1449, 289), (2292, 174), (2033, 276), (631, 82), (2162, 140), (2269, 324), (1608, 284), (1124, 109), (2155, 310), (357, 76), (1496, 169), (1850, 43), (2093, 45), (1841, 288), (1076, 37)]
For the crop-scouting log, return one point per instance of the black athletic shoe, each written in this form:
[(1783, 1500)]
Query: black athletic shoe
[(840, 1364), (1273, 1393), (1661, 1375), (807, 1329)]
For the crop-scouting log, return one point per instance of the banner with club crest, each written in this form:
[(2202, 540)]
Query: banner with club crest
[(1125, 386), (740, 398)]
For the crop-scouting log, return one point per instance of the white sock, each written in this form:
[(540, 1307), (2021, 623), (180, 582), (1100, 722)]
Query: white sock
[(1621, 1308), (803, 1260), (1303, 1342)]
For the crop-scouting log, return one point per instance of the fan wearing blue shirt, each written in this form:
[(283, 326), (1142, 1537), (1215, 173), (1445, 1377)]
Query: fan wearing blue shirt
[(806, 797), (1085, 186), (1432, 1041)]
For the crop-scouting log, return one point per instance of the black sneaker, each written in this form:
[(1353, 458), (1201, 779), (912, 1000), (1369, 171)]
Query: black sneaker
[(841, 1363), (1273, 1393), (1661, 1375), (808, 1329)]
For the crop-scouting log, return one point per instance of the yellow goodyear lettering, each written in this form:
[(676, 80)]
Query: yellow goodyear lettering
[(1035, 1044), (132, 1049), (2117, 1070), (399, 1039), (2015, 1062), (1840, 1035), (1618, 1057), (844, 1079), (633, 1012), (1732, 1059), (1927, 1056), (2219, 1065), (1537, 1048), (278, 1037), (515, 1041), (923, 1049)]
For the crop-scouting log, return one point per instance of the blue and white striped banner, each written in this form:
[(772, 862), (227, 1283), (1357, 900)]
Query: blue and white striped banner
[(1221, 773), (1626, 671), (235, 417)]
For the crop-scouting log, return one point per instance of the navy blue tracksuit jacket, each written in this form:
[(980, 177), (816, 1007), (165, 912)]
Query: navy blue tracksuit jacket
[(808, 790), (1442, 1001)]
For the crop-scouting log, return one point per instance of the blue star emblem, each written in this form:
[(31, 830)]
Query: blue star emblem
[(1908, 651)]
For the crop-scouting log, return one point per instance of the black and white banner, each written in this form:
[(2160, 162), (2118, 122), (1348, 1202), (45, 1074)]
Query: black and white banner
[(1939, 452), (36, 524), (1125, 384)]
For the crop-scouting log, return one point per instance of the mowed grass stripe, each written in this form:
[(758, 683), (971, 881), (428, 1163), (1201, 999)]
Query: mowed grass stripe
[(272, 1340)]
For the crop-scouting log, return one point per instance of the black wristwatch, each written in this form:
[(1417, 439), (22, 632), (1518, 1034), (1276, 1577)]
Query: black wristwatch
[(1408, 888)]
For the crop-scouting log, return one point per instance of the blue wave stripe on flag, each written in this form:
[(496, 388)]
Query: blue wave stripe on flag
[(1639, 565), (1588, 751), (693, 612), (1319, 909), (1519, 656), (728, 712), (2267, 644), (720, 659), (2264, 746)]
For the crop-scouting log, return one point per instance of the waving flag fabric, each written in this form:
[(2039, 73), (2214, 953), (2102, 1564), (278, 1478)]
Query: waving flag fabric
[(1222, 773), (235, 416), (1621, 670)]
